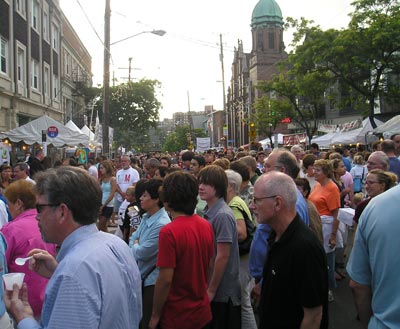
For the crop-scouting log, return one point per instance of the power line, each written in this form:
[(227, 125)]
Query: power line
[(90, 23)]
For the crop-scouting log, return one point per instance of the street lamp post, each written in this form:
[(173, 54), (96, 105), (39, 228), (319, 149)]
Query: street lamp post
[(106, 81), (106, 75)]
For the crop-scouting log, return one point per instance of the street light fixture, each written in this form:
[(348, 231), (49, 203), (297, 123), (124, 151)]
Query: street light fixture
[(156, 32), (106, 77)]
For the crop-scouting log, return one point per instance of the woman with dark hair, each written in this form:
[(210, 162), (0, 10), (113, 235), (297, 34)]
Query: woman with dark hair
[(308, 169), (303, 185), (22, 235), (187, 243), (5, 177), (144, 243), (108, 186), (377, 182), (197, 163), (338, 171)]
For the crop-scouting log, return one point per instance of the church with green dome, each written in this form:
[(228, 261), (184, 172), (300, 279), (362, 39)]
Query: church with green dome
[(248, 69)]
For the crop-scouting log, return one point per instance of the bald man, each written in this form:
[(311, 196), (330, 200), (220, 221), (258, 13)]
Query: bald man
[(295, 279)]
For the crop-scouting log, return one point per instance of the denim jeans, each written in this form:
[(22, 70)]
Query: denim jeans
[(330, 258)]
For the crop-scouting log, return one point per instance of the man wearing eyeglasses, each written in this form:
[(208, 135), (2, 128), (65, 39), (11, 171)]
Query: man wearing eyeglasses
[(283, 161), (94, 281), (295, 278)]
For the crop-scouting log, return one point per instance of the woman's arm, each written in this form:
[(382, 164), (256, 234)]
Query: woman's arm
[(113, 189), (335, 226)]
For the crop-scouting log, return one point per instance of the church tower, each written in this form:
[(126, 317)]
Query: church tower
[(267, 41)]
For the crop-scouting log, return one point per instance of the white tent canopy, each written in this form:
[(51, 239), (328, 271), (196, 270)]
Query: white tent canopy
[(85, 129), (324, 141), (349, 137), (265, 142), (58, 135), (390, 127), (357, 135), (71, 125)]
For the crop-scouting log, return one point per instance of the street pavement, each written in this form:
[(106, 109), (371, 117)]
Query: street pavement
[(342, 312)]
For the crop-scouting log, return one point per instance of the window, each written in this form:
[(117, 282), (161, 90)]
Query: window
[(35, 15), (35, 74), (46, 27), (21, 6), (4, 55), (46, 81), (271, 39), (55, 37), (67, 65), (21, 66), (55, 86)]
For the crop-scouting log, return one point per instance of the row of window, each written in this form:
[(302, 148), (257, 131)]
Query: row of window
[(35, 17), (35, 70)]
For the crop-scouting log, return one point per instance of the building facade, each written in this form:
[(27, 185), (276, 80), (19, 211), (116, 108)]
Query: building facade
[(249, 69), (42, 63)]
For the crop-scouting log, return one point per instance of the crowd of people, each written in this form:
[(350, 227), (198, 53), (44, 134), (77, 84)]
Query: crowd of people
[(228, 239)]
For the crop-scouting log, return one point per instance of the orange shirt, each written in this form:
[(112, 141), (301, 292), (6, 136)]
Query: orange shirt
[(325, 198)]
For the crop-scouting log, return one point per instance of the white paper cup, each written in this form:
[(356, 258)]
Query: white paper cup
[(11, 278)]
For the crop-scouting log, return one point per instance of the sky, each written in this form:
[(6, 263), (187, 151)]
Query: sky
[(186, 60)]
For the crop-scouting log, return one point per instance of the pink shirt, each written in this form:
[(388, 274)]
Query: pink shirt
[(22, 235)]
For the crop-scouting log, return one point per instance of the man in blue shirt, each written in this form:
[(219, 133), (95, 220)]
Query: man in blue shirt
[(284, 161), (94, 282), (374, 266)]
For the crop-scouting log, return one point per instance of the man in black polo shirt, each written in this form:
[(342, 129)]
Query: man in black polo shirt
[(295, 278)]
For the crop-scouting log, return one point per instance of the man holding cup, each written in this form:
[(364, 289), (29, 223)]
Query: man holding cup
[(94, 282)]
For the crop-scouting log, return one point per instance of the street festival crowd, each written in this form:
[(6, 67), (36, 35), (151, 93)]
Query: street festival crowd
[(222, 239)]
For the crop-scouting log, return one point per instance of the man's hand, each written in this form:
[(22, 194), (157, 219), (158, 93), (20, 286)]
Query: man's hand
[(256, 294), (42, 263), (211, 295), (17, 306), (153, 322)]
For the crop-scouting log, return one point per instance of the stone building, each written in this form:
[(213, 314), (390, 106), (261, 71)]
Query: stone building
[(44, 65), (248, 69)]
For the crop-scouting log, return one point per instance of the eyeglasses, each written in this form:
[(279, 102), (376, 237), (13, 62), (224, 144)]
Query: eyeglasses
[(370, 182), (255, 200), (39, 207)]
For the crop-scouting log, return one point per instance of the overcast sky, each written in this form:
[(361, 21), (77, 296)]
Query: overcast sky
[(186, 59)]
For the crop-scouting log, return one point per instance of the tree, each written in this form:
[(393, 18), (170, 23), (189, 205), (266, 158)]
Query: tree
[(365, 56), (297, 94), (266, 117), (178, 139), (134, 108)]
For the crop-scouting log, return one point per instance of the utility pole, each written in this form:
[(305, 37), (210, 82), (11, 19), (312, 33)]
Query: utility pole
[(106, 81), (221, 58), (129, 69)]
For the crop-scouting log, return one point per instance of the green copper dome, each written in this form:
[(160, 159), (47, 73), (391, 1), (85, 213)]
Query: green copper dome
[(266, 12)]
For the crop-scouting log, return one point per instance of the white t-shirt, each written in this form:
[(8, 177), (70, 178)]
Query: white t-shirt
[(126, 178), (93, 171), (3, 213)]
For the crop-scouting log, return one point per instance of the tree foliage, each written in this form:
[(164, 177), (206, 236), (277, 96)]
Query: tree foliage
[(267, 116), (297, 93), (178, 139), (134, 108), (365, 57)]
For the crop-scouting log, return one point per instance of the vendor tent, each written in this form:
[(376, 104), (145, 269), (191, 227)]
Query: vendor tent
[(357, 135), (57, 134), (71, 125), (324, 141), (266, 142), (389, 127), (88, 132)]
